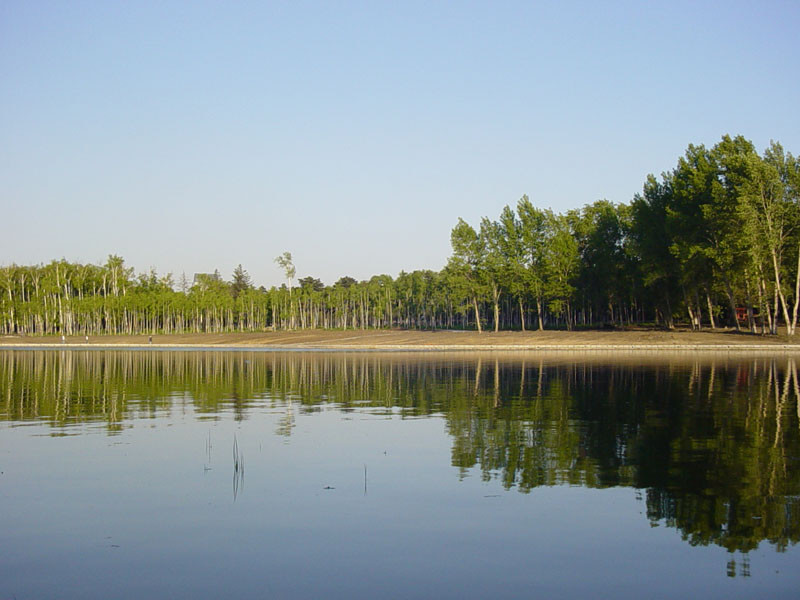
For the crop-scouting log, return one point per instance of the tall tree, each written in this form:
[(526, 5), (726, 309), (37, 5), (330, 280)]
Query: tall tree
[(494, 264), (240, 282), (512, 249), (284, 261), (600, 237), (561, 264), (467, 263), (769, 216), (533, 231)]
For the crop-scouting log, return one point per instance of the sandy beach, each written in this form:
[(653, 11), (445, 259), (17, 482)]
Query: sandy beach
[(633, 339)]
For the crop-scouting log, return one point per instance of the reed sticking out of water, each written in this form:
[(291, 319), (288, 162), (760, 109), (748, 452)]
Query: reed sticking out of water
[(238, 468)]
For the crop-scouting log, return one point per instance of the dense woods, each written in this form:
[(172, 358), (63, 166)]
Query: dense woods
[(713, 242)]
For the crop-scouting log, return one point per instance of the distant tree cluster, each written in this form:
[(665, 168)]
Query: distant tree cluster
[(714, 241), (717, 239)]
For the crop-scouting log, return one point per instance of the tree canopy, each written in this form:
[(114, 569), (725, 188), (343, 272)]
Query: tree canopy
[(714, 241)]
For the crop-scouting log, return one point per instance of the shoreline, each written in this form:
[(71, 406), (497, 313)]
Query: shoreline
[(638, 340), (737, 348)]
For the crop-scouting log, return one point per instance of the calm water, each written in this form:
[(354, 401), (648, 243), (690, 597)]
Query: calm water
[(332, 475)]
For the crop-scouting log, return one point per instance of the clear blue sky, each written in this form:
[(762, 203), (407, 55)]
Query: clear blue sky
[(198, 135)]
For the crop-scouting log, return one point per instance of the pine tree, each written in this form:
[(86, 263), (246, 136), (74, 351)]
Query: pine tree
[(240, 282)]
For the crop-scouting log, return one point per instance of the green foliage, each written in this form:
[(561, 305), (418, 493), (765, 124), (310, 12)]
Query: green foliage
[(311, 284), (467, 265), (284, 261), (240, 282), (717, 235), (345, 282)]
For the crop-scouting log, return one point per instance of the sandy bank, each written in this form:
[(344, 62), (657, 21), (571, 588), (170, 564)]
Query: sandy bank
[(629, 340)]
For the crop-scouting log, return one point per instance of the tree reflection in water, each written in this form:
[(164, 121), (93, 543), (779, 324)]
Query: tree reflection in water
[(713, 442)]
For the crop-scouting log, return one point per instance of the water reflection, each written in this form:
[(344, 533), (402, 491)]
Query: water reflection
[(714, 443), (238, 469)]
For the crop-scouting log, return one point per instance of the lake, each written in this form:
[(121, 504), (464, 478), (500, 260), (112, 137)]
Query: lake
[(245, 474)]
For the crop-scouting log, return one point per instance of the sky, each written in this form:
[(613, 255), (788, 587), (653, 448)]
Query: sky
[(194, 136)]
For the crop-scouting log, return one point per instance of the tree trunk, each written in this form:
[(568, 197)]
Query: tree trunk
[(784, 307), (775, 305), (477, 314), (668, 320), (731, 299), (690, 310), (568, 315), (710, 311), (698, 311), (764, 300), (796, 295), (539, 313), (496, 301), (692, 318)]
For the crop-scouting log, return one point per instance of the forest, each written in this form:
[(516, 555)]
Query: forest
[(714, 242)]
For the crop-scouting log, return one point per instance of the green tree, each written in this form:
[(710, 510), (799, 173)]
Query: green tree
[(533, 230), (561, 265), (285, 262), (601, 278), (467, 263), (651, 241), (493, 265), (240, 281), (513, 252)]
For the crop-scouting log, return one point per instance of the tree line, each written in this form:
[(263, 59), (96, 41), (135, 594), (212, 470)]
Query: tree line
[(713, 242)]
